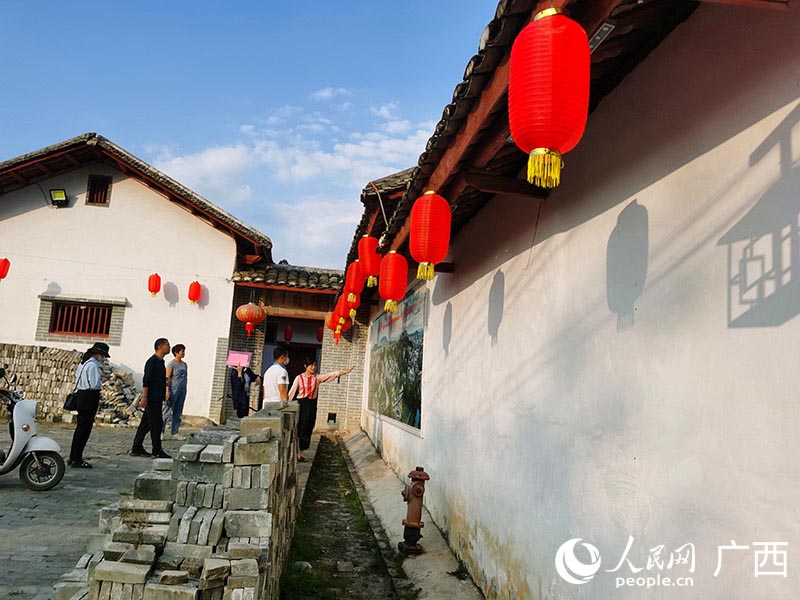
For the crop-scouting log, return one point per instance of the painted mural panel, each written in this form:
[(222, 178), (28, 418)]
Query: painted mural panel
[(395, 373)]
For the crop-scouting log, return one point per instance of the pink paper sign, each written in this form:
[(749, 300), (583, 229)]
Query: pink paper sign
[(236, 358)]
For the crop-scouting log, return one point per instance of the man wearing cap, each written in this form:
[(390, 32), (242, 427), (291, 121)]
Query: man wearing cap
[(88, 383)]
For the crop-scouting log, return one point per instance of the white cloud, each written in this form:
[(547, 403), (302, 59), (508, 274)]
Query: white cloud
[(328, 93), (216, 172), (297, 175), (397, 126), (385, 111)]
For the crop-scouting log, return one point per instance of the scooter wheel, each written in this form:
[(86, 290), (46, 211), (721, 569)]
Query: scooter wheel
[(45, 475)]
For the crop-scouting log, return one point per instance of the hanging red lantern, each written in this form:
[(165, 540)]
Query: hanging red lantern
[(332, 320), (369, 259), (320, 333), (430, 232), (354, 280), (5, 265), (548, 92), (393, 279), (194, 292), (249, 314), (288, 333), (337, 335), (351, 306), (154, 284)]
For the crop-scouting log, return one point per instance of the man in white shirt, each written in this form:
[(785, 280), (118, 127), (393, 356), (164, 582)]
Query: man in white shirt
[(276, 379)]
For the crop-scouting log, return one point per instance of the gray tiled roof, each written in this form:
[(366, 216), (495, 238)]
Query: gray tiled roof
[(291, 276)]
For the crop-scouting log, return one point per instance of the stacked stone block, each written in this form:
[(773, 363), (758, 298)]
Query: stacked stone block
[(48, 375), (214, 524)]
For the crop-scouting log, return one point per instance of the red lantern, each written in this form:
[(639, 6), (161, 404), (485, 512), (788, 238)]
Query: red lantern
[(548, 92), (320, 333), (288, 333), (337, 335), (154, 284), (5, 265), (393, 279), (249, 314), (354, 280), (430, 232), (332, 320), (194, 292), (370, 259), (351, 307)]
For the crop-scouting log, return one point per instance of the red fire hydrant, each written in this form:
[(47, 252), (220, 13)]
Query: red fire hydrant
[(412, 524)]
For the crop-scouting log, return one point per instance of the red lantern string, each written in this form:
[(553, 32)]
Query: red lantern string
[(548, 92), (430, 232), (370, 259), (154, 284), (352, 305), (393, 279), (354, 280)]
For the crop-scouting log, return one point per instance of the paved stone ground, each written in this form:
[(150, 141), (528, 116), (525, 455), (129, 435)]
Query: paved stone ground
[(43, 534)]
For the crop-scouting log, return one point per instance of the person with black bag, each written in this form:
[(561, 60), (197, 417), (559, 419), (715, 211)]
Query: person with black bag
[(87, 383)]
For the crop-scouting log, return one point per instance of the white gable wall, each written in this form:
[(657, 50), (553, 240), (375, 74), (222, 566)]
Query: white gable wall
[(110, 252), (618, 379)]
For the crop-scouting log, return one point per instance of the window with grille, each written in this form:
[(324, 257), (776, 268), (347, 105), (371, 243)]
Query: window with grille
[(81, 319), (99, 192)]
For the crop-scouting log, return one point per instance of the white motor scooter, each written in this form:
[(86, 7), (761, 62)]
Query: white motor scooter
[(38, 458)]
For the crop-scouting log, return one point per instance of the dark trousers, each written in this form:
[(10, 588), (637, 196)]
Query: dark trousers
[(306, 421), (153, 422), (88, 403)]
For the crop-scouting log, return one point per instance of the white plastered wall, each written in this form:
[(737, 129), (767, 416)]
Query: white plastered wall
[(633, 372), (110, 252)]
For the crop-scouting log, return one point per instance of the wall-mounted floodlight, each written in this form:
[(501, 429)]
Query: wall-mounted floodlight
[(601, 34), (58, 198)]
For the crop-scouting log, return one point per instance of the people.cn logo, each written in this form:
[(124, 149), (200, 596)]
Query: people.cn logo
[(573, 570)]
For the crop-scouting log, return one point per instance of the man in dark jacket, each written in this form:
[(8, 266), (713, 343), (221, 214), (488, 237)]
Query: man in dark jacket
[(241, 379), (154, 394)]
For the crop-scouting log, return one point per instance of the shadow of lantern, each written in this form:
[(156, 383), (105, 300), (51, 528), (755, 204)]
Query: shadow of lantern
[(763, 249), (627, 258)]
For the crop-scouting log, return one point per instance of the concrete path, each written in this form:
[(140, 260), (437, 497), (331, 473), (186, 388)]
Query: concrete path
[(428, 572), (43, 534)]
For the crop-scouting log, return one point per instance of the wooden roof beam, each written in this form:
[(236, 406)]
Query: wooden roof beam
[(504, 186)]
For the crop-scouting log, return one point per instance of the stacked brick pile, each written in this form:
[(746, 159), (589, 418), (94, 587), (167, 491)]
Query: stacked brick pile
[(214, 524), (48, 375)]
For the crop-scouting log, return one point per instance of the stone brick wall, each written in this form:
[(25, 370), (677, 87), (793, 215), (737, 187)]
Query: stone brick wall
[(47, 375), (216, 523), (344, 398), (221, 404)]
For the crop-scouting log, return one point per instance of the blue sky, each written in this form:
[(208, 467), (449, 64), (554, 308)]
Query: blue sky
[(279, 112)]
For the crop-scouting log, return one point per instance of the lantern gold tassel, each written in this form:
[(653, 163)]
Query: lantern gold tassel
[(353, 313), (372, 281), (351, 297), (425, 270), (544, 168), (390, 306)]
